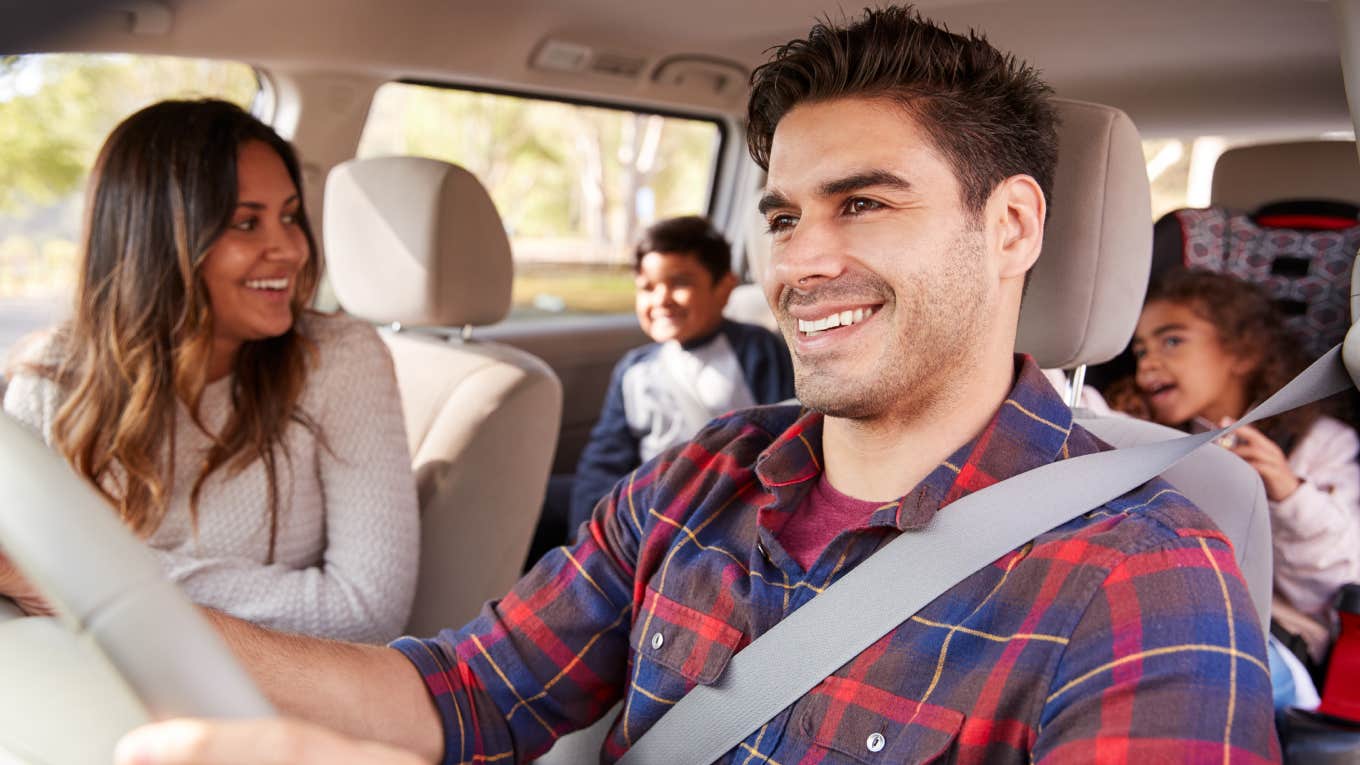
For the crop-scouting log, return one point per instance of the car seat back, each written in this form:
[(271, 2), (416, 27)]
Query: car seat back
[(417, 243)]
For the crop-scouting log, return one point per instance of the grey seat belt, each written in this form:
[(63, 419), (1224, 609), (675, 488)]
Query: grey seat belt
[(804, 648)]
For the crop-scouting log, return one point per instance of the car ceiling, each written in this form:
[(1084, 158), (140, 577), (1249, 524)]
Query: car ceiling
[(1179, 68)]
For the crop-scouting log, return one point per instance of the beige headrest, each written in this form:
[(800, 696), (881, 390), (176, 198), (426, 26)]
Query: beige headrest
[(1248, 177), (416, 241), (1087, 288)]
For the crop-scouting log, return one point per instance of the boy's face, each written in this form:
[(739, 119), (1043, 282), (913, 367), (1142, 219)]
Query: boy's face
[(677, 298)]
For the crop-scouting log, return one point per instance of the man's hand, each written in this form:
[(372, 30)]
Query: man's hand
[(14, 586), (250, 742)]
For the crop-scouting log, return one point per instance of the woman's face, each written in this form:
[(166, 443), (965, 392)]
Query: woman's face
[(1183, 368), (251, 270)]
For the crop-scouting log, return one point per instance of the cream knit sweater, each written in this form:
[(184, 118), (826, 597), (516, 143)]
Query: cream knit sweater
[(345, 560)]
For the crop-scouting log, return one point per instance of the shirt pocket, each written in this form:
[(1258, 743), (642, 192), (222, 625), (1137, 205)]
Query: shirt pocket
[(680, 641), (847, 721)]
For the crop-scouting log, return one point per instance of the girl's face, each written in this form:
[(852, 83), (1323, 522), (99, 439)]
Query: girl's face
[(1183, 368), (251, 270)]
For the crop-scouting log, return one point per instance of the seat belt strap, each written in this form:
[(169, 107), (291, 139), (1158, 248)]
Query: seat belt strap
[(907, 574)]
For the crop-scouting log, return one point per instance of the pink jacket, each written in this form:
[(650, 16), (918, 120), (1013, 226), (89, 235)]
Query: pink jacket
[(1316, 530)]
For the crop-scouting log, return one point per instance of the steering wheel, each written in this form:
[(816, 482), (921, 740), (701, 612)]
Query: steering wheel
[(117, 615)]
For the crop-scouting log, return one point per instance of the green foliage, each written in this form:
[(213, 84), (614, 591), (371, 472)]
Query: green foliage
[(55, 111), (567, 179)]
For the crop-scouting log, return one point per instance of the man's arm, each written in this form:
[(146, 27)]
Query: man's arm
[(1167, 663), (364, 691)]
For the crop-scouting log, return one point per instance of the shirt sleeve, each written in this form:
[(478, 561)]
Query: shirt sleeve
[(1316, 530), (609, 455), (1166, 664), (549, 658), (363, 587)]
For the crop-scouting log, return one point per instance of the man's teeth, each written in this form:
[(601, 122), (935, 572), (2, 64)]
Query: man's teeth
[(268, 284), (842, 319)]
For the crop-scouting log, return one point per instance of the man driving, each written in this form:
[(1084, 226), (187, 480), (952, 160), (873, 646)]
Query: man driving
[(908, 176)]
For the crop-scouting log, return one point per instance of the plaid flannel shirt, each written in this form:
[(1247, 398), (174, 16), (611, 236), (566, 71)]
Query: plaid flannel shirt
[(1126, 634)]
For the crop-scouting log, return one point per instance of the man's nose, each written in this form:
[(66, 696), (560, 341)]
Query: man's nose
[(812, 253)]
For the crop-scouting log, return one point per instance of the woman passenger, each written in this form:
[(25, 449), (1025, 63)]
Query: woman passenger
[(258, 446), (1210, 346)]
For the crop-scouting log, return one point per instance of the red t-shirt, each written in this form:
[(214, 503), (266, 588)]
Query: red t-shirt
[(822, 514)]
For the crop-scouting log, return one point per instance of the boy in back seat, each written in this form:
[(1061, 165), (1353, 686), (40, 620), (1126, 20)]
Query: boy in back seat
[(699, 367)]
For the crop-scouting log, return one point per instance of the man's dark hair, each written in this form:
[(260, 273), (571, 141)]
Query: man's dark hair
[(690, 235), (987, 113)]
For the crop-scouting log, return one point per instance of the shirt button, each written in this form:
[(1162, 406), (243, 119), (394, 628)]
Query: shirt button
[(875, 742), (657, 641)]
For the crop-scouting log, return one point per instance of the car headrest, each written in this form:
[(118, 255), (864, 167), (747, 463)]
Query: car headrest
[(1247, 177), (1087, 288), (416, 241)]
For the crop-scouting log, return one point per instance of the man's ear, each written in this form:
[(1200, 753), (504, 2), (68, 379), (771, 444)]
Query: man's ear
[(1016, 212)]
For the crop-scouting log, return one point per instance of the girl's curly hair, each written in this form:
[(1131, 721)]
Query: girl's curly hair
[(1249, 327)]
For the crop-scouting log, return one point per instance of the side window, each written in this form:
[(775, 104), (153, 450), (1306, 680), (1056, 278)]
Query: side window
[(55, 111), (574, 184)]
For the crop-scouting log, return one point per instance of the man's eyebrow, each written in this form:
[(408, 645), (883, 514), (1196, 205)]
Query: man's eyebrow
[(864, 180), (1165, 328), (772, 200)]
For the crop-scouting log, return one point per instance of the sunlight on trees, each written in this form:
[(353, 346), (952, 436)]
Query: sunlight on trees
[(574, 184), (55, 111)]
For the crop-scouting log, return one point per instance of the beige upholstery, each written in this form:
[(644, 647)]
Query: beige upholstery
[(424, 244), (1084, 299), (1247, 177), (747, 304), (1087, 289), (419, 242)]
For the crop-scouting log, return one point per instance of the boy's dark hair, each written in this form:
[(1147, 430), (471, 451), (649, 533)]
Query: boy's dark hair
[(690, 235), (987, 113)]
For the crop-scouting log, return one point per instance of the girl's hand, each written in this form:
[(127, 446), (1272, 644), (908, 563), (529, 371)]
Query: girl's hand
[(14, 586), (1268, 459)]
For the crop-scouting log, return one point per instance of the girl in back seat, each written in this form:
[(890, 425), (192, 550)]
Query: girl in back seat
[(1208, 347), (258, 446)]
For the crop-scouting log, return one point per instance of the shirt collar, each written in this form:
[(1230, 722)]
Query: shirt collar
[(1030, 429)]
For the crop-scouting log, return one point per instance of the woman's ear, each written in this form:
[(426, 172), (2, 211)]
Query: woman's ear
[(1017, 210)]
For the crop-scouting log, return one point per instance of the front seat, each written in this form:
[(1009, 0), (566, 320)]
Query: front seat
[(417, 244), (1083, 302)]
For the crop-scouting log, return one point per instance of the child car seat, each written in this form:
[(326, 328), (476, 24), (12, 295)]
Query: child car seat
[(1285, 216), (1299, 251)]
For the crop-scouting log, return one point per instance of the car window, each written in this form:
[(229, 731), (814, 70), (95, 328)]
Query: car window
[(55, 111), (1181, 170), (575, 184)]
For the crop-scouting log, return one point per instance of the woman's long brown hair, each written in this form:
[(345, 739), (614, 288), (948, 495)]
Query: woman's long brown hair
[(164, 188), (1249, 327)]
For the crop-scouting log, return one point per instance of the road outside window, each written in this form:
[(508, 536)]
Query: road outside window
[(55, 111), (574, 184)]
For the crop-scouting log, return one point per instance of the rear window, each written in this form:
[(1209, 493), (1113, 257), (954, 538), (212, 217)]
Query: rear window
[(575, 184), (1181, 170), (55, 111)]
